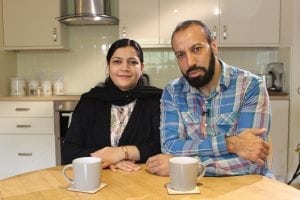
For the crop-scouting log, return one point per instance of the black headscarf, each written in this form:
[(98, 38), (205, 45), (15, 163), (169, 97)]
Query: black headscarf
[(109, 92)]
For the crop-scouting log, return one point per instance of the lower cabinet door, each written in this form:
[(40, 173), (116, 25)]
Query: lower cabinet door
[(279, 135), (25, 153)]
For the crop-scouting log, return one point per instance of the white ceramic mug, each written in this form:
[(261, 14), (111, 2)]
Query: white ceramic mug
[(185, 173), (86, 173)]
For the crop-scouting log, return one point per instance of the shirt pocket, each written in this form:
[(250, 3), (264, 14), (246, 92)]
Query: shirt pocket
[(227, 123), (191, 123)]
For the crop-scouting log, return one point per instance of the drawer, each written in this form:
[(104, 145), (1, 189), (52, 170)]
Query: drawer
[(26, 109), (27, 125), (24, 153)]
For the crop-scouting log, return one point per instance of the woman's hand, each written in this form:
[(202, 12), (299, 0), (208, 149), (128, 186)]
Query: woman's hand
[(109, 155), (127, 166)]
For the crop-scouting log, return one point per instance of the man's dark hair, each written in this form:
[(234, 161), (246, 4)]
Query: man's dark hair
[(185, 24)]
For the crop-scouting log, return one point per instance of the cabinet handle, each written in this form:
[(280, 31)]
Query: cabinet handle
[(54, 34), (225, 32), (298, 91), (24, 154), (123, 32), (214, 32), (22, 109), (23, 126)]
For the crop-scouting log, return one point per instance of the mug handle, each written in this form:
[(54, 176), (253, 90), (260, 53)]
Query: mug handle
[(65, 175), (201, 170)]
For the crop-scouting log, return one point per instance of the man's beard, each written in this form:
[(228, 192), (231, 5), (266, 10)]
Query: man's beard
[(200, 81)]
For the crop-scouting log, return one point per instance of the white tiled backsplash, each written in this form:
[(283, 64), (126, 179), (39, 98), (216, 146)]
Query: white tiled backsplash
[(84, 65)]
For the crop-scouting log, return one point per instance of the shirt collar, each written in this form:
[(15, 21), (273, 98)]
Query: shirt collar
[(224, 81)]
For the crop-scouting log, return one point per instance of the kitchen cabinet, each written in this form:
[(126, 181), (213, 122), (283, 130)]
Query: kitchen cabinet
[(279, 136), (152, 24), (139, 20), (249, 23), (232, 22), (32, 24), (24, 153), (174, 11), (27, 140)]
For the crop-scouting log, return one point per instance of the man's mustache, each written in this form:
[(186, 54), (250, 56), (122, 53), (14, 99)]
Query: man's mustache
[(195, 67)]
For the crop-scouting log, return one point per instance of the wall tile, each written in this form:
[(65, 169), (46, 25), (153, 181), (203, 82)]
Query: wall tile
[(83, 65)]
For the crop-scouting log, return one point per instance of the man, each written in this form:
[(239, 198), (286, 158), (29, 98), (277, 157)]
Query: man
[(215, 112)]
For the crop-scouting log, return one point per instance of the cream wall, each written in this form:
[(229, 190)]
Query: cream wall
[(84, 65)]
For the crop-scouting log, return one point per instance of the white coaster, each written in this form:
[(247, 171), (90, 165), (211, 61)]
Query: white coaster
[(172, 191), (102, 185)]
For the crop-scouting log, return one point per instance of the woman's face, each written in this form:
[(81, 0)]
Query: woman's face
[(125, 68)]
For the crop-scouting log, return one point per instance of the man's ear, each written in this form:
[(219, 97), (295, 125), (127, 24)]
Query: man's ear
[(214, 46)]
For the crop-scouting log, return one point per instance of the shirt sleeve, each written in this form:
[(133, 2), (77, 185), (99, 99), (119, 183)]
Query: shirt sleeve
[(74, 142), (255, 113), (174, 138)]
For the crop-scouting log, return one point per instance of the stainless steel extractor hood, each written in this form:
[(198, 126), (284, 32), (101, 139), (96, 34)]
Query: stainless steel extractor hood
[(90, 12)]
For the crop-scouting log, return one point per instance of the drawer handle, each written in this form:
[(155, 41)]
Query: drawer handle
[(22, 109), (225, 34), (214, 32), (24, 154), (123, 32), (54, 34), (23, 126)]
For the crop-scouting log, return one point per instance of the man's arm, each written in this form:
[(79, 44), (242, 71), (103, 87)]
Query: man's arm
[(248, 145), (229, 164)]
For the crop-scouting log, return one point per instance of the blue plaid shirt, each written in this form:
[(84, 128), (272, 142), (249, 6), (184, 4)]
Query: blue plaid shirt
[(196, 125)]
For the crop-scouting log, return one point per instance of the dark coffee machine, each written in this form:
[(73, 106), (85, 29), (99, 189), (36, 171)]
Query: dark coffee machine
[(277, 71)]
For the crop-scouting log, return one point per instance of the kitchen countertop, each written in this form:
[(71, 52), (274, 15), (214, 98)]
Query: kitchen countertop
[(278, 95), (73, 97), (41, 98)]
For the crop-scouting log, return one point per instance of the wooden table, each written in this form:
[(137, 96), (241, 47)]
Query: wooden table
[(49, 184)]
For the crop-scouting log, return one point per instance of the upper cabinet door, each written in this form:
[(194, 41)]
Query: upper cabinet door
[(249, 22), (32, 24), (237, 23), (174, 11), (139, 20)]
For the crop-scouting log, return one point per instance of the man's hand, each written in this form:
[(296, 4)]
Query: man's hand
[(159, 164), (249, 146)]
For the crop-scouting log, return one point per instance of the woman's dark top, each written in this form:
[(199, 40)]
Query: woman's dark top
[(90, 126)]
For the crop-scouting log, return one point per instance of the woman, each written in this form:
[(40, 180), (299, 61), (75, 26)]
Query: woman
[(119, 120)]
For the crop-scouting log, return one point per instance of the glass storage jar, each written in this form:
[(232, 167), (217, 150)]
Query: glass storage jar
[(17, 87)]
